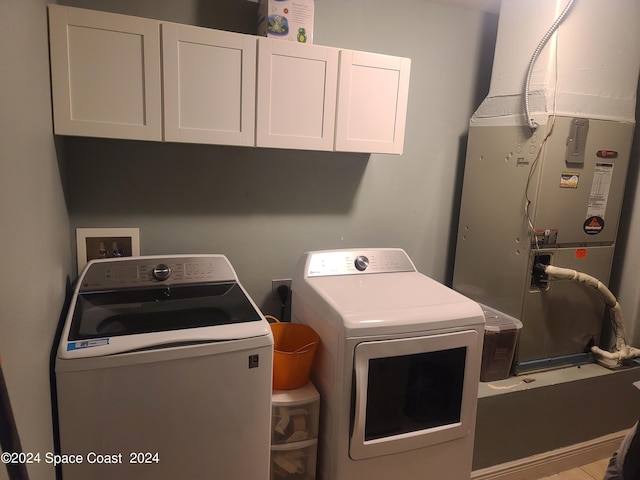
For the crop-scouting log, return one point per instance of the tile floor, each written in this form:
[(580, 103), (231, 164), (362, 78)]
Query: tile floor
[(592, 471)]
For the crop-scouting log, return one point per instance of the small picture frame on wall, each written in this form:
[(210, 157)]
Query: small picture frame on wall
[(95, 243)]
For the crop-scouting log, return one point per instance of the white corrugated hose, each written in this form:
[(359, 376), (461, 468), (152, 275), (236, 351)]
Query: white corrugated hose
[(621, 350)]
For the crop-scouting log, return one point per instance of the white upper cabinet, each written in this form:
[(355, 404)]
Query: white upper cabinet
[(372, 102), (110, 78), (296, 95), (209, 85), (105, 71)]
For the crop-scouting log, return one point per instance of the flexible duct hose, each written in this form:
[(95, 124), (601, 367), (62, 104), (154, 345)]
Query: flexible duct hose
[(621, 351), (532, 124)]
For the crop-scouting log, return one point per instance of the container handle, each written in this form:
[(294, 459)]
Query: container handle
[(304, 348)]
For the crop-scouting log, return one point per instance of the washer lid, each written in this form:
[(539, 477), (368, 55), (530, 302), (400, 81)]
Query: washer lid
[(137, 311), (125, 320), (160, 309)]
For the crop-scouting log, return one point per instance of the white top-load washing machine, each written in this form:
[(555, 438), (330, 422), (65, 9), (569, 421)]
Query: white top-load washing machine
[(397, 367), (163, 371)]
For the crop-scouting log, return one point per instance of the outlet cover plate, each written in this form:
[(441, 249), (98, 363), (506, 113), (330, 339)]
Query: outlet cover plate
[(276, 283)]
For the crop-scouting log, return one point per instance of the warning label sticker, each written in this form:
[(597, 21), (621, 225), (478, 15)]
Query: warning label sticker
[(600, 190), (569, 180)]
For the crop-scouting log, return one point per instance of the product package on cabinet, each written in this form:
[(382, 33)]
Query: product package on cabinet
[(290, 20)]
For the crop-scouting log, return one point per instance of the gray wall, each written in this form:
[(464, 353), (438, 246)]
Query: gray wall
[(262, 207), (34, 238), (625, 276)]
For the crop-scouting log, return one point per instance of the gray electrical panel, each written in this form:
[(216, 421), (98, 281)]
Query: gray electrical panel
[(553, 196)]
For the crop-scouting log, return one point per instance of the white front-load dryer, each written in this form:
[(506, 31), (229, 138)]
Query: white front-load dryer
[(397, 367)]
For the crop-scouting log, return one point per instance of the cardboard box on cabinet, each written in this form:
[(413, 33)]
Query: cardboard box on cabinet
[(290, 20)]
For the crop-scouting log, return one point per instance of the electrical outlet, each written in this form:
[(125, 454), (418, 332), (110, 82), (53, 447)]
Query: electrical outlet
[(276, 283)]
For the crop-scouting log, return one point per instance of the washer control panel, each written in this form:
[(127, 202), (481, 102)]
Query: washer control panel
[(150, 271), (357, 262)]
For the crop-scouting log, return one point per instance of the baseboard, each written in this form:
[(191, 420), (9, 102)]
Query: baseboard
[(549, 463)]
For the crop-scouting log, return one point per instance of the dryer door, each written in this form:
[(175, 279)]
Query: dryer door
[(413, 392)]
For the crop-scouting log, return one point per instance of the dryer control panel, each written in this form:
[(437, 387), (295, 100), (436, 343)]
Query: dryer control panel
[(358, 262)]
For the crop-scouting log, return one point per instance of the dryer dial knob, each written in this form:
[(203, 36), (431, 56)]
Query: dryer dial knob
[(361, 263), (161, 272)]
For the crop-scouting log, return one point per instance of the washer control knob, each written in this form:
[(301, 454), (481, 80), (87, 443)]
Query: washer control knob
[(361, 263), (161, 272)]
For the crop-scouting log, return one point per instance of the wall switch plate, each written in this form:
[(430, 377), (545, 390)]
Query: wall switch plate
[(277, 283)]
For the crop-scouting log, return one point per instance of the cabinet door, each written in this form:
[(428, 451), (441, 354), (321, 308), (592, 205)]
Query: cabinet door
[(105, 73), (209, 85), (296, 95), (372, 102)]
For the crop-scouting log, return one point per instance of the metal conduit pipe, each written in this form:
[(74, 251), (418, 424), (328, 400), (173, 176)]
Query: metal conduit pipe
[(527, 113)]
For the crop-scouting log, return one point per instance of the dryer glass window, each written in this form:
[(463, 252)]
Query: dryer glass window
[(416, 392), (412, 392)]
